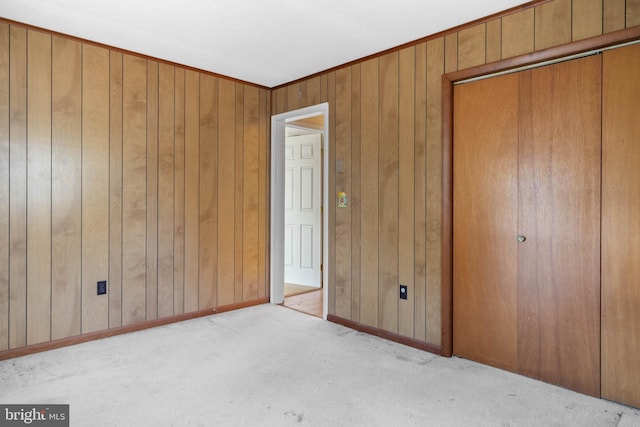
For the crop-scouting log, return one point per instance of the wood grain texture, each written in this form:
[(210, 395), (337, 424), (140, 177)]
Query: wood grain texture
[(179, 196), (18, 187), (484, 245), (95, 187), (342, 261), (614, 18), (388, 192), (4, 186), (433, 292), (114, 285), (494, 41), (420, 196), (226, 188), (369, 293), (620, 227), (250, 194), (587, 19), (356, 195), (166, 179), (559, 263), (313, 91), (406, 188), (331, 209), (134, 189), (518, 33), (208, 256), (632, 13), (151, 300), (552, 24), (264, 136), (38, 187), (451, 52), (472, 43), (238, 192), (66, 188), (191, 190)]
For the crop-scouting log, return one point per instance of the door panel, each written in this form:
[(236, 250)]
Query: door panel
[(485, 221), (302, 210), (559, 263), (620, 226)]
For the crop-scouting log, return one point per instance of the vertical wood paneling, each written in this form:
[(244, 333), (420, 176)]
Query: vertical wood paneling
[(18, 187), (134, 189), (294, 94), (166, 168), (114, 286), (226, 188), (208, 190), (472, 43), (280, 100), (388, 190), (239, 189), (633, 13), (406, 189), (331, 209), (435, 68), (66, 188), (250, 200), (420, 216), (38, 187), (192, 190), (95, 186), (263, 160), (451, 52), (518, 33), (369, 194), (342, 261), (614, 15), (152, 191), (179, 196), (111, 173), (356, 199), (552, 24), (313, 91), (586, 18), (4, 186), (494, 40)]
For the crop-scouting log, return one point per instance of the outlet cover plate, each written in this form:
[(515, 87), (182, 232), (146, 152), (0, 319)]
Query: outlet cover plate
[(403, 292), (102, 287)]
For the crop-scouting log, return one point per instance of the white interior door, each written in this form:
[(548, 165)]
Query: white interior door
[(302, 210)]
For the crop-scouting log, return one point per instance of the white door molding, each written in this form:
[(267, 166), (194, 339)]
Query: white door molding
[(278, 123)]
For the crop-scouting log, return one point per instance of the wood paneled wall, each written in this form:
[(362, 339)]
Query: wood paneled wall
[(386, 127), (116, 167)]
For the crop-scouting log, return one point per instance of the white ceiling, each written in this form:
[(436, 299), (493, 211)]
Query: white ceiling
[(264, 42)]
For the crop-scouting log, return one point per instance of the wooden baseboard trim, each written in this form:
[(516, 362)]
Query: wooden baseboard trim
[(78, 339), (391, 336)]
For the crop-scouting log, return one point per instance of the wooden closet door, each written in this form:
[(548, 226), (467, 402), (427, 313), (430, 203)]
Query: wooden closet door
[(485, 174), (559, 263), (621, 226)]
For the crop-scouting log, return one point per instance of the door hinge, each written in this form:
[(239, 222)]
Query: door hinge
[(321, 265)]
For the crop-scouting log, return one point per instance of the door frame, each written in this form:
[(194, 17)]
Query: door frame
[(518, 63), (278, 123)]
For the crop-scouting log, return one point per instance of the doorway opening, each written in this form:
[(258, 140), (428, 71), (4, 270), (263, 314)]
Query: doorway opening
[(299, 179)]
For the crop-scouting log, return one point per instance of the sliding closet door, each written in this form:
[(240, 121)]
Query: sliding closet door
[(485, 221), (621, 226), (559, 213)]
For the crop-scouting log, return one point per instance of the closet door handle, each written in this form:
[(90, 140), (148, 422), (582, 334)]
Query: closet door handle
[(521, 238)]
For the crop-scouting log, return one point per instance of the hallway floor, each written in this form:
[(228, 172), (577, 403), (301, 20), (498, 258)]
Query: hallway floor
[(271, 366)]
